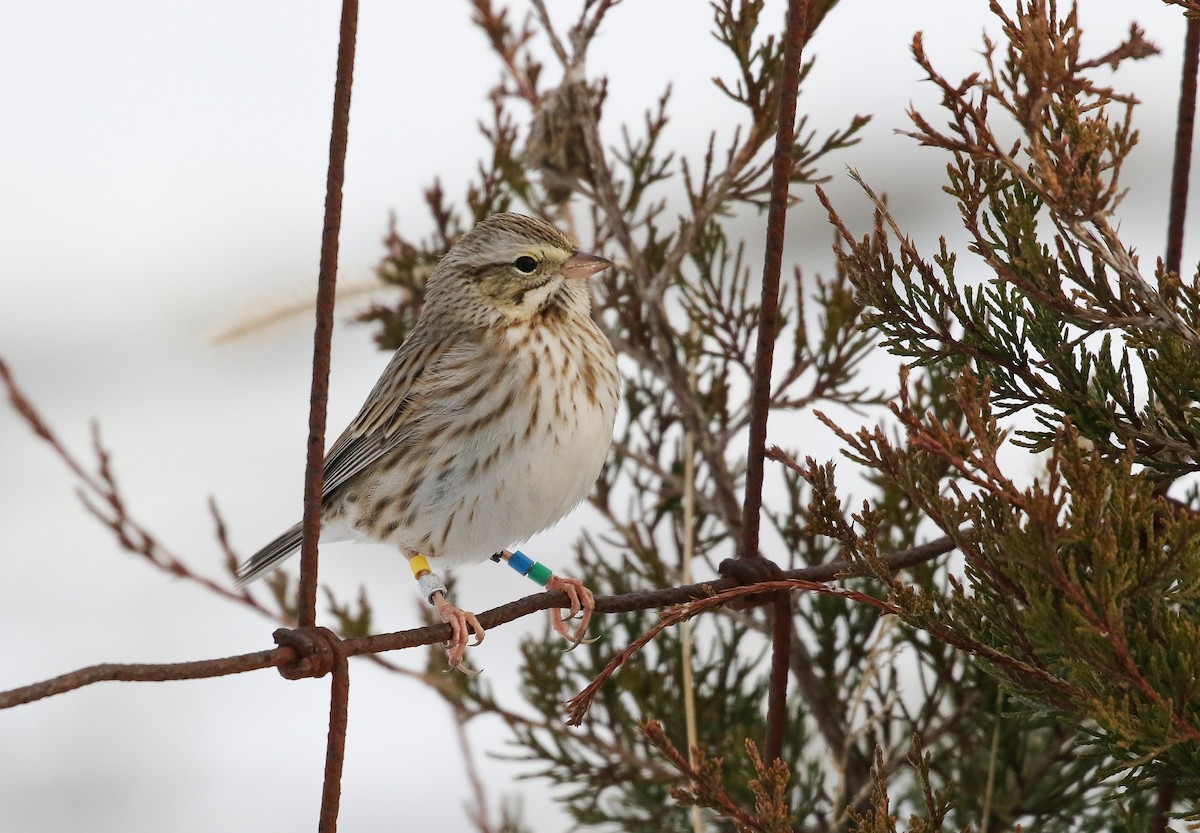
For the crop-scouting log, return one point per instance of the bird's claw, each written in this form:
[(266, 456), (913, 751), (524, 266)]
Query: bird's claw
[(583, 604), (463, 625), (462, 666), (575, 643)]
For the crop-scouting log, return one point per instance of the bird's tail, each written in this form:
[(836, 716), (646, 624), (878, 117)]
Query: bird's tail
[(269, 556)]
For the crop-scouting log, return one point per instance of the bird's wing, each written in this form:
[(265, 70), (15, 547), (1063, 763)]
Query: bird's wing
[(389, 413)]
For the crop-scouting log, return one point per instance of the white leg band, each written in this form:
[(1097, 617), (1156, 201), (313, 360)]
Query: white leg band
[(429, 583)]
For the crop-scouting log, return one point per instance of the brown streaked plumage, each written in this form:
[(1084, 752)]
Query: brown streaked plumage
[(491, 421)]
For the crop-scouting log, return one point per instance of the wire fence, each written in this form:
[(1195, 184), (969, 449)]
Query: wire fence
[(310, 650)]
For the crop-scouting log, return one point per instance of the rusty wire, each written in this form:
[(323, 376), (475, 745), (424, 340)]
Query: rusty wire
[(321, 641), (288, 654), (1184, 126), (309, 651), (1177, 212), (314, 473), (760, 396), (324, 652), (335, 745), (578, 705)]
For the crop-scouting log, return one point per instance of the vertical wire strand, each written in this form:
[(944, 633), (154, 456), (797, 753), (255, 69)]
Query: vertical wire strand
[(306, 602), (1180, 172), (760, 398), (335, 745), (768, 324), (1184, 127)]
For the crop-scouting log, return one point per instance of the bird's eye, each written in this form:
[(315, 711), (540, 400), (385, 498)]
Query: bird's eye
[(525, 264)]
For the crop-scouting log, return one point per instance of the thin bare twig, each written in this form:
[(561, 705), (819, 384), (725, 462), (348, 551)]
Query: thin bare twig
[(477, 809), (686, 553), (100, 496), (665, 363), (724, 803), (543, 18)]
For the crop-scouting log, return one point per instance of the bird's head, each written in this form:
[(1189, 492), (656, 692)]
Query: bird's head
[(515, 267)]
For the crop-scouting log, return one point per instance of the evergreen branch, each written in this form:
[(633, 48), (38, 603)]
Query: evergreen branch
[(674, 373), (578, 706), (1191, 7), (705, 788), (704, 778)]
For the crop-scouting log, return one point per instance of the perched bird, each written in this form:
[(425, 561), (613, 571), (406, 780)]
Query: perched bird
[(490, 423)]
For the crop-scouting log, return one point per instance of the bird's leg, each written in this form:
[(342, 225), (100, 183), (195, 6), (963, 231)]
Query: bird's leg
[(463, 623), (583, 603)]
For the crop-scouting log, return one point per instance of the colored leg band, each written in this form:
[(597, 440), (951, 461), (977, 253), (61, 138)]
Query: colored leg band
[(418, 564), (521, 562), (429, 583), (526, 566), (541, 573)]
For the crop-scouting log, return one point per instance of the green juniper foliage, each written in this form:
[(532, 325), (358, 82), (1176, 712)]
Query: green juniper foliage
[(1047, 676), (1050, 681), (1080, 589), (1018, 519)]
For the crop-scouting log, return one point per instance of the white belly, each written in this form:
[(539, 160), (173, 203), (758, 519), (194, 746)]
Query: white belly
[(514, 475)]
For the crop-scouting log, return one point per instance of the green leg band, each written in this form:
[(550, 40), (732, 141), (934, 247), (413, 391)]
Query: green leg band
[(540, 573)]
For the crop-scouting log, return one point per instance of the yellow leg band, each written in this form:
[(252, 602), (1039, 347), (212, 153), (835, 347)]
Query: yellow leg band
[(418, 564)]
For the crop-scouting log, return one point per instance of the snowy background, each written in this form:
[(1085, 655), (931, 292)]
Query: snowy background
[(163, 167)]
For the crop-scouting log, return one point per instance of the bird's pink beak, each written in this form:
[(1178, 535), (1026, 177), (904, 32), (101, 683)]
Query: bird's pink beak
[(583, 265)]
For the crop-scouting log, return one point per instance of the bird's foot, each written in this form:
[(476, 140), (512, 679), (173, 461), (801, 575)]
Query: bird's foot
[(463, 624), (583, 604)]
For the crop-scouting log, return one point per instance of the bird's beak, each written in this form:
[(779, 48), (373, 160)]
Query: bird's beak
[(583, 265)]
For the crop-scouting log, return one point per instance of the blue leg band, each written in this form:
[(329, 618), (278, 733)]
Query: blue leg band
[(521, 562)]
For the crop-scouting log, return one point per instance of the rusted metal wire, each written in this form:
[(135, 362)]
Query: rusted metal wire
[(760, 396), (326, 643), (768, 319), (1180, 173), (335, 745), (1184, 127), (306, 603), (578, 705), (781, 652), (144, 673), (289, 653)]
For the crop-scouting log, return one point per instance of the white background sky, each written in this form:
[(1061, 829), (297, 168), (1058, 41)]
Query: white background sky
[(163, 167)]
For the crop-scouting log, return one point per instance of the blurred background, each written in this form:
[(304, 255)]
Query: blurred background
[(163, 169)]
